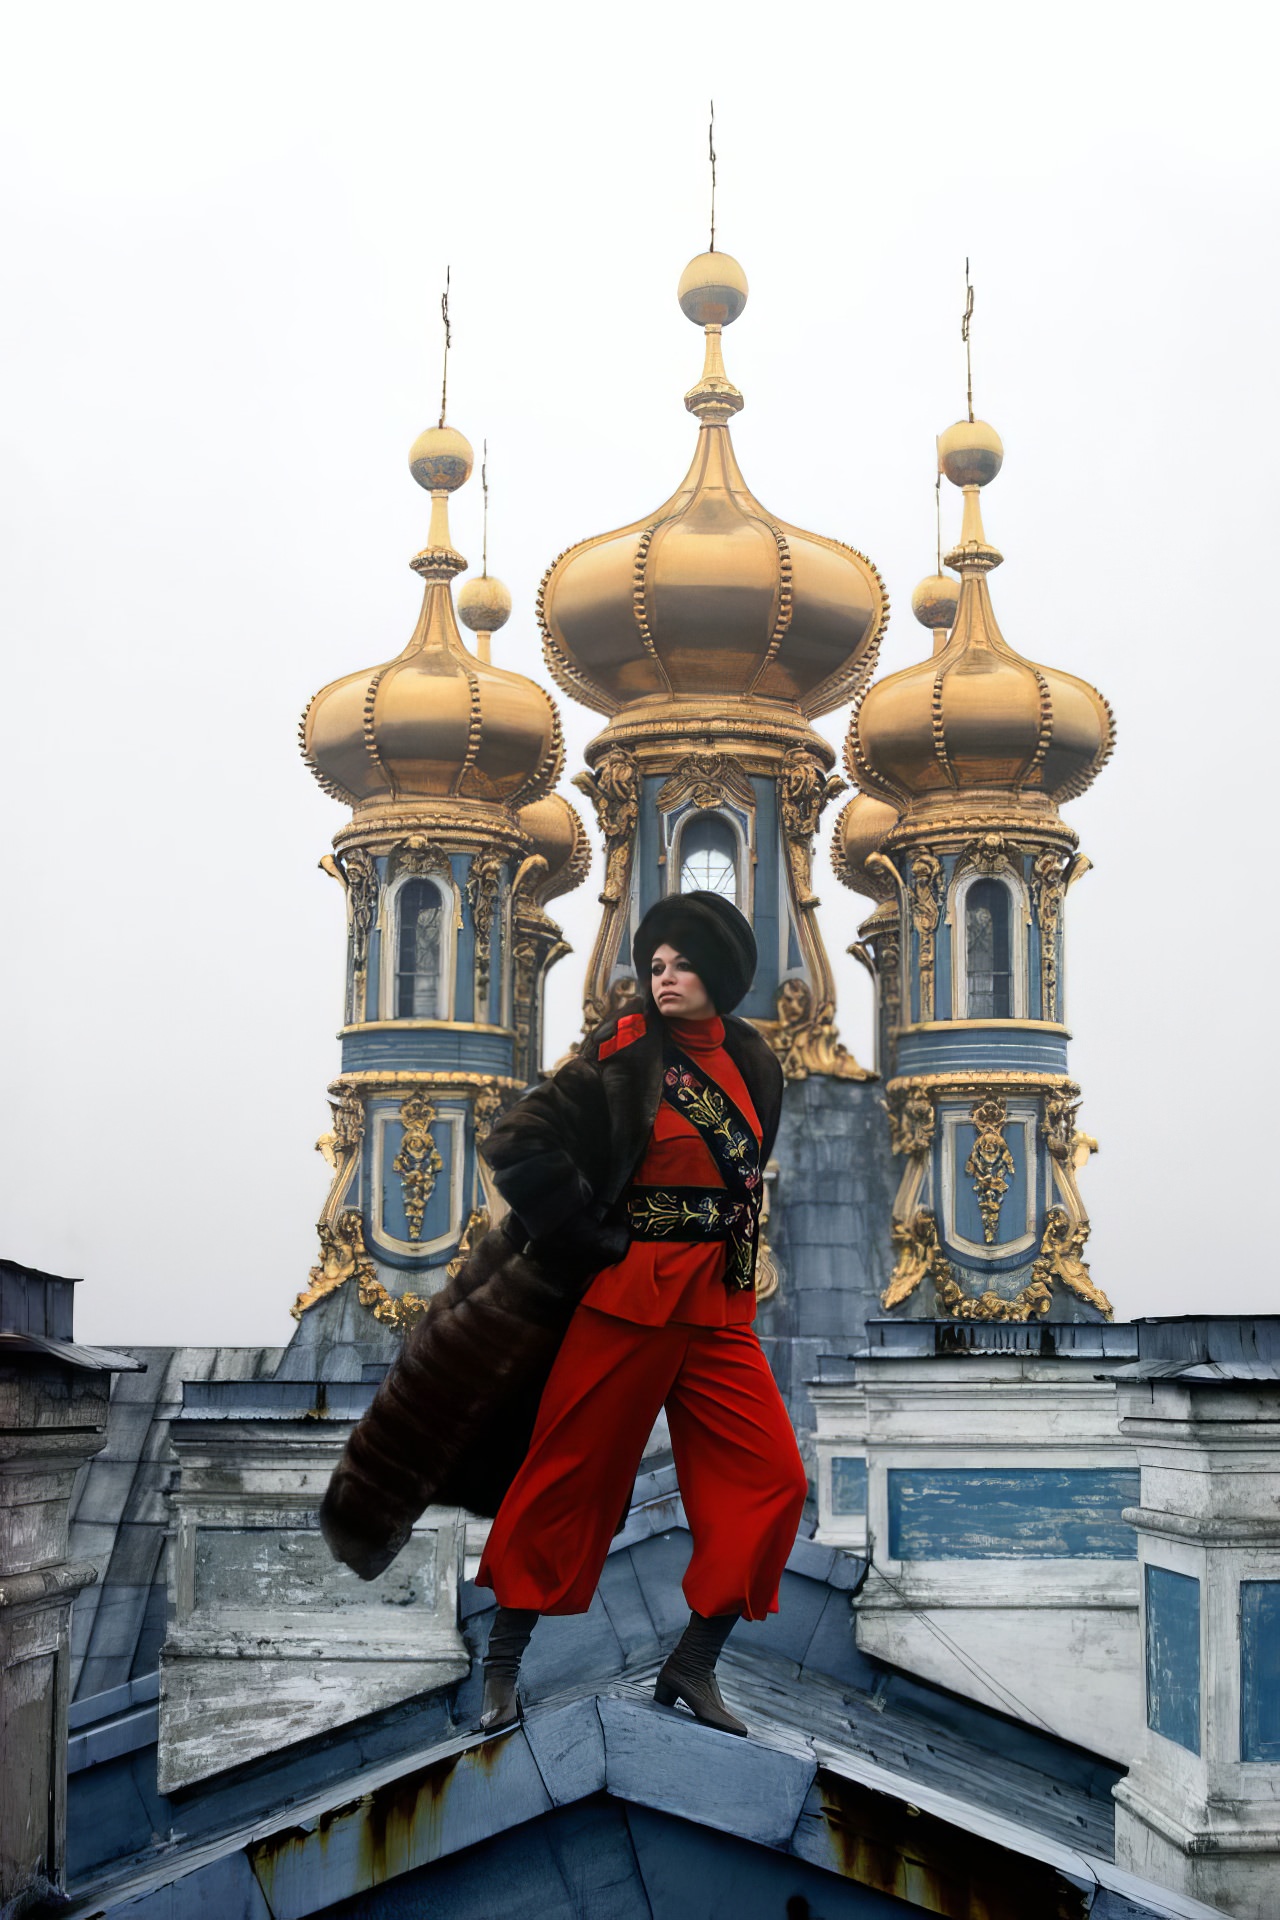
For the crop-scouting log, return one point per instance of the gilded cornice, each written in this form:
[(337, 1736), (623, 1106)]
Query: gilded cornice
[(757, 734), (974, 1082)]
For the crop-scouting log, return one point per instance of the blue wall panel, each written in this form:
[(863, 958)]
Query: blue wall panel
[(1012, 1223), (651, 877), (1260, 1670), (1001, 1045), (464, 999), (428, 1049), (764, 915), (1011, 1513), (848, 1486), (1173, 1656)]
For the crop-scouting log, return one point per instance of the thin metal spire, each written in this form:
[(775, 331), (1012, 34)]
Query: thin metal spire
[(937, 509), (711, 149), (484, 482), (448, 342), (964, 333)]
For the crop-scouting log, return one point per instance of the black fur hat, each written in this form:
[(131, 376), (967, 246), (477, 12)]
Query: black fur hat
[(712, 935)]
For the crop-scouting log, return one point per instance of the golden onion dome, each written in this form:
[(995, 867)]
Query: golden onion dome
[(712, 595), (861, 830), (435, 722), (556, 834), (977, 714)]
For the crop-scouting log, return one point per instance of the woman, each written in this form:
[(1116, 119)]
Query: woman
[(634, 1178)]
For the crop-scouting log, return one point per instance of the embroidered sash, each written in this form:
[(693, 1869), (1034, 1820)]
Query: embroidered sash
[(731, 1213)]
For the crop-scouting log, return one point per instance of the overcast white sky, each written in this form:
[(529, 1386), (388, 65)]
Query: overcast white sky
[(226, 231)]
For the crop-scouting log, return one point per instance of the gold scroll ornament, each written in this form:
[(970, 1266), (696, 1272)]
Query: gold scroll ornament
[(418, 1161), (990, 1164)]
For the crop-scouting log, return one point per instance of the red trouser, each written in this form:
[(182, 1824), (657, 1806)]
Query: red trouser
[(736, 1460)]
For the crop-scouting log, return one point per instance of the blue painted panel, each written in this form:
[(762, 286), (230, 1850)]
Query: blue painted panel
[(943, 984), (848, 1485), (1260, 1670), (651, 877), (1173, 1656), (429, 1048), (1017, 1048), (1011, 1513), (764, 918), (1012, 1224), (464, 999), (395, 1221)]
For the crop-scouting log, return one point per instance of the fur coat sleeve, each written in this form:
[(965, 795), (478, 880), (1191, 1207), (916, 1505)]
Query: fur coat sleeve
[(451, 1422)]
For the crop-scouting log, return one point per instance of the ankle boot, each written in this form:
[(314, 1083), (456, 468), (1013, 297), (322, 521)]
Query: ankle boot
[(508, 1638), (690, 1672)]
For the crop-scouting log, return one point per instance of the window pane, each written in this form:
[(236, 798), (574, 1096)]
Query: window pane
[(709, 857), (419, 953), (988, 913)]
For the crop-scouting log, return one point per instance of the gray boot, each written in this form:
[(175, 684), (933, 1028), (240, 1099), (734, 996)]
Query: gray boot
[(508, 1638), (690, 1672)]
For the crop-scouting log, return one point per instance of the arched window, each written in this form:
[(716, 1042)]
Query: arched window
[(988, 940), (709, 857), (420, 952)]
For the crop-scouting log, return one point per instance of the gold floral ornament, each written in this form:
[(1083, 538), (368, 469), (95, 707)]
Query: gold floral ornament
[(343, 1257), (708, 780), (926, 906), (613, 787), (1060, 1260), (990, 1164), (418, 1161), (1034, 1300), (805, 1040), (1050, 886), (918, 1253), (912, 1120), (396, 1311), (482, 891), (804, 788), (360, 872)]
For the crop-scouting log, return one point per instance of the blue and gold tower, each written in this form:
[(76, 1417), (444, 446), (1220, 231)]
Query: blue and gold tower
[(455, 845), (962, 763), (711, 633)]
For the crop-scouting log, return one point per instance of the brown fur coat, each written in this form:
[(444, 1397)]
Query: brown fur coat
[(451, 1422)]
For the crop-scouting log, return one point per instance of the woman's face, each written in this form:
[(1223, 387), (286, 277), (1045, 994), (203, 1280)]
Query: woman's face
[(677, 989)]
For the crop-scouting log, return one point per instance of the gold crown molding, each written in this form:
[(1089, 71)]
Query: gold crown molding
[(662, 734), (994, 1026), (421, 1026), (375, 1080), (456, 826), (956, 1085), (954, 830)]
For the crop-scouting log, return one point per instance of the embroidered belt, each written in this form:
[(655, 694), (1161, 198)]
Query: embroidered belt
[(687, 1213)]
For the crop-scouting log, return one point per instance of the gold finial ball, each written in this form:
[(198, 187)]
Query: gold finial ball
[(441, 459), (712, 290), (484, 604), (935, 600), (971, 453)]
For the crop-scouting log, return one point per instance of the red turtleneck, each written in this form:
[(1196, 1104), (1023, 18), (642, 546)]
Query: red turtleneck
[(664, 1280)]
